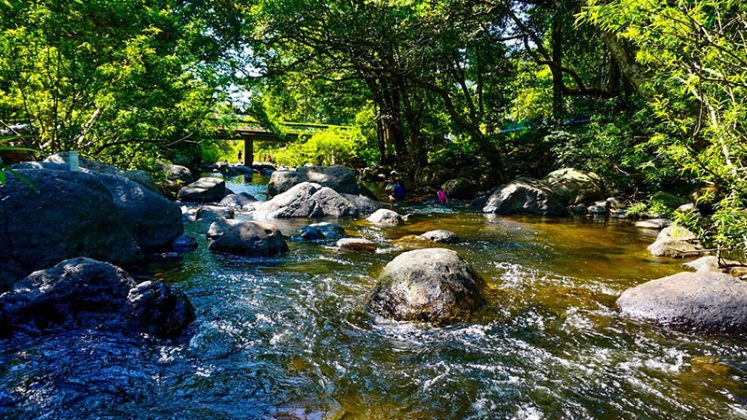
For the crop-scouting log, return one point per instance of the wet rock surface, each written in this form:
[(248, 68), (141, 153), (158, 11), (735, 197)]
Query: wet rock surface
[(246, 238), (64, 215), (206, 190), (434, 285), (704, 300), (85, 293), (525, 196)]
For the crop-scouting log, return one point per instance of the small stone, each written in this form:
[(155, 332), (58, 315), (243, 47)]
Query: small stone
[(356, 244)]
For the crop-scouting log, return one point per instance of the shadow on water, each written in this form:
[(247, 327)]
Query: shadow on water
[(290, 337)]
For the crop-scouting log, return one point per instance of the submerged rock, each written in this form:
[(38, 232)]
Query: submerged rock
[(246, 238), (525, 196), (159, 309), (676, 241), (385, 217), (572, 186), (184, 244), (60, 215), (82, 292), (206, 190), (441, 236), (433, 285), (329, 230), (704, 300)]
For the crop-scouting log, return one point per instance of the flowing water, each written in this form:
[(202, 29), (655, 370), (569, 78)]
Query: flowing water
[(289, 337)]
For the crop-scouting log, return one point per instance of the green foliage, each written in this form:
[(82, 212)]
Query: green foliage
[(691, 59), (637, 209), (112, 79), (329, 147)]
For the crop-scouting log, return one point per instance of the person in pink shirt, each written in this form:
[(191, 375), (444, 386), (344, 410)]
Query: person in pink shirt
[(441, 194)]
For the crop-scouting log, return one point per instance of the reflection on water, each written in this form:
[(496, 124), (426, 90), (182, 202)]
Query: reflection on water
[(289, 337)]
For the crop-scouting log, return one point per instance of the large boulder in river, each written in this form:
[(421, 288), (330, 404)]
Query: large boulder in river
[(57, 215), (433, 285), (460, 188), (338, 178), (206, 190), (306, 200), (572, 186), (246, 238), (676, 241), (83, 292), (385, 217), (151, 219), (365, 205), (705, 301), (525, 196)]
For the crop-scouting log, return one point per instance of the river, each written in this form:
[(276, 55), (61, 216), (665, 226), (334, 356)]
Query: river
[(289, 337)]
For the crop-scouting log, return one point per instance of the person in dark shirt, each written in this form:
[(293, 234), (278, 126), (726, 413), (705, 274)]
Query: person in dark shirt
[(396, 190)]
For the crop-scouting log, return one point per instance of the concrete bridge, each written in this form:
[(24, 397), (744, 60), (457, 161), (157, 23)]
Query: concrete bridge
[(249, 130)]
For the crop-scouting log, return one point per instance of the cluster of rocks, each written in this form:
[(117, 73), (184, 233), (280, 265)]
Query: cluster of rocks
[(338, 178), (82, 223), (550, 196)]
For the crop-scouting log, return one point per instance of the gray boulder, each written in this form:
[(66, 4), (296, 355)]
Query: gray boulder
[(525, 196), (441, 236), (433, 285), (704, 300), (150, 218), (572, 186), (306, 200), (657, 224), (385, 217), (206, 190), (339, 178), (212, 213), (177, 176), (677, 242), (89, 293), (460, 188), (365, 205), (64, 215), (246, 238), (242, 201)]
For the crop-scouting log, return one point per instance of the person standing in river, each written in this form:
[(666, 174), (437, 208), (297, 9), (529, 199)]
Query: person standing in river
[(442, 198), (239, 156)]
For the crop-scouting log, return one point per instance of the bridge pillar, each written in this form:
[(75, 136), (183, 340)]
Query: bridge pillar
[(248, 152)]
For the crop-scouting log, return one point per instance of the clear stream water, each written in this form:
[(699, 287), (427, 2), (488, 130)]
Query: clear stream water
[(290, 337)]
